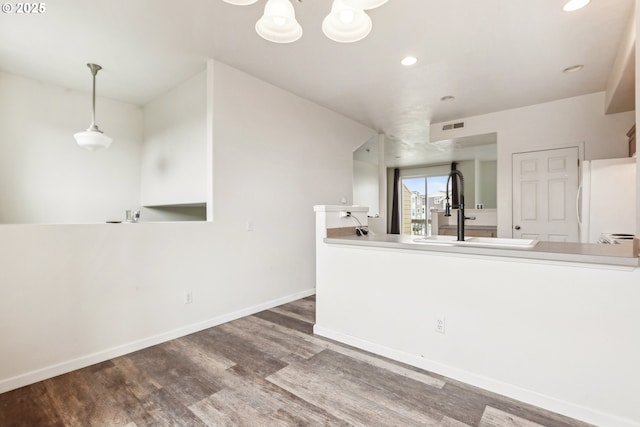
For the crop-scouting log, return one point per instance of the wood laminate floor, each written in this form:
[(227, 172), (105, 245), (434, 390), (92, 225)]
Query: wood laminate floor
[(262, 370)]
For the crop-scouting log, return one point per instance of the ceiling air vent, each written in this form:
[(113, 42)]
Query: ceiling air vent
[(453, 126)]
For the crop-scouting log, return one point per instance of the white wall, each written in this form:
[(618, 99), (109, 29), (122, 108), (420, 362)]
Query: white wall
[(44, 176), (174, 161), (567, 122), (76, 294), (365, 185), (279, 155)]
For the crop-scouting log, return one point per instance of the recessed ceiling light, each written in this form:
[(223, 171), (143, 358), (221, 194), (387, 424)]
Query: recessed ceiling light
[(573, 68), (409, 60), (572, 5), (447, 98)]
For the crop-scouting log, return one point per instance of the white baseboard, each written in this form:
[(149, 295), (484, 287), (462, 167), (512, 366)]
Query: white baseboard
[(549, 403), (51, 371)]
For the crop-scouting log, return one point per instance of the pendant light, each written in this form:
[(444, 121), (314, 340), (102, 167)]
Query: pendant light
[(346, 24), (93, 138), (278, 24)]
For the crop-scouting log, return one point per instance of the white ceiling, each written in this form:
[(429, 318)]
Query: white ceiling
[(491, 54)]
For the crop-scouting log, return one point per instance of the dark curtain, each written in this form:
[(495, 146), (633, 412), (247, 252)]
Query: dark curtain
[(455, 200), (395, 209)]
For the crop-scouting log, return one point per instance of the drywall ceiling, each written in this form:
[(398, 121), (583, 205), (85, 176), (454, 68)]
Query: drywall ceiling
[(491, 55)]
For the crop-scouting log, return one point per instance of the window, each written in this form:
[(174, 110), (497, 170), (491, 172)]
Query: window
[(421, 195)]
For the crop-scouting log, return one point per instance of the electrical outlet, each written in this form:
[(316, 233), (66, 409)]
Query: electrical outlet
[(344, 214), (188, 297), (440, 325)]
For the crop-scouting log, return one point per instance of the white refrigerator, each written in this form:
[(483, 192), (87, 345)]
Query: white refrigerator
[(607, 198)]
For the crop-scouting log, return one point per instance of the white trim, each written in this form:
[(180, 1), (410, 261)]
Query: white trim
[(110, 353), (528, 396)]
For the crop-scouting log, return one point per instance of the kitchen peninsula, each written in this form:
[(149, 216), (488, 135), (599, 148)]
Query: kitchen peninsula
[(555, 326)]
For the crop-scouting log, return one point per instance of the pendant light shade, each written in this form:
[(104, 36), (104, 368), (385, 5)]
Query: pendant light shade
[(364, 4), (240, 2), (93, 138), (346, 24), (278, 24)]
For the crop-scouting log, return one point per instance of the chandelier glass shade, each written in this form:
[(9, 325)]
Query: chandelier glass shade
[(278, 24), (346, 23)]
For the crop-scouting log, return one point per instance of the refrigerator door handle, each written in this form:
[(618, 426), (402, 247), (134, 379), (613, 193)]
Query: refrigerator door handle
[(578, 197)]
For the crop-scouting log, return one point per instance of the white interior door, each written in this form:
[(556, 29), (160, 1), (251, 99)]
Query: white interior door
[(545, 185)]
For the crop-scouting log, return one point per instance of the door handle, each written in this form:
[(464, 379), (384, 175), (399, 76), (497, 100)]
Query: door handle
[(517, 227), (578, 194)]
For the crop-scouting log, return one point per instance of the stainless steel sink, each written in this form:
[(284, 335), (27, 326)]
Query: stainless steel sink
[(488, 242)]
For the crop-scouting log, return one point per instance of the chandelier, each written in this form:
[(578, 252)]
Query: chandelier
[(346, 23)]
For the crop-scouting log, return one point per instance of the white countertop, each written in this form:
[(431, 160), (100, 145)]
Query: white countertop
[(623, 255)]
